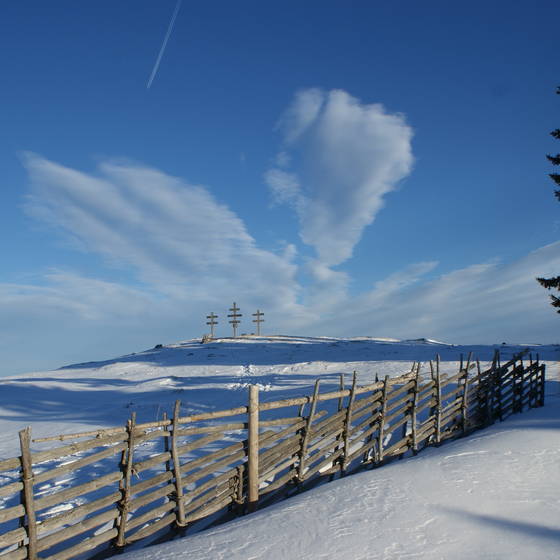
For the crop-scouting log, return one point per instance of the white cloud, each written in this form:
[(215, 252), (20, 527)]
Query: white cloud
[(352, 154), (177, 236), (485, 303), (285, 187), (301, 113)]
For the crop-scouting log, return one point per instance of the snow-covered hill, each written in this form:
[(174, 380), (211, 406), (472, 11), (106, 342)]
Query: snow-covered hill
[(211, 376), (493, 495)]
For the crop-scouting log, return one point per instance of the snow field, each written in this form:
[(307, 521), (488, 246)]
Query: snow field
[(216, 376)]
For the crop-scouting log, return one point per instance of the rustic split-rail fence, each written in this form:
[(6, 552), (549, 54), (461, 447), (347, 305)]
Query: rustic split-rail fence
[(107, 489)]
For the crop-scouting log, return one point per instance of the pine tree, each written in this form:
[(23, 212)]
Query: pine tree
[(550, 283)]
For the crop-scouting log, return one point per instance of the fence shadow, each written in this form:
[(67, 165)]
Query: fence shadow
[(98, 402), (533, 530)]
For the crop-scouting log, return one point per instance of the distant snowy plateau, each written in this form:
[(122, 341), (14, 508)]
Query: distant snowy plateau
[(492, 495)]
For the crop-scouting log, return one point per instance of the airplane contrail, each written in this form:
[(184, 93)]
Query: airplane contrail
[(161, 51)]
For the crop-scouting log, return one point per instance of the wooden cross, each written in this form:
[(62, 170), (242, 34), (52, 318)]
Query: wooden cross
[(234, 322), (212, 322), (258, 320)]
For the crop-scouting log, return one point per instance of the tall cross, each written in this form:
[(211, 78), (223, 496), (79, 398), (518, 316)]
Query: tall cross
[(234, 322), (258, 320), (212, 322)]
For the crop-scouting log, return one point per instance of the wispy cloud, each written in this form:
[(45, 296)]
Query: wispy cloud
[(175, 235), (487, 302), (164, 44)]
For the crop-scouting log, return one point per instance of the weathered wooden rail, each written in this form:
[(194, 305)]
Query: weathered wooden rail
[(110, 488)]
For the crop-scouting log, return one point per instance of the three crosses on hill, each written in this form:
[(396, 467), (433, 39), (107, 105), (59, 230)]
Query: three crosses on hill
[(235, 320)]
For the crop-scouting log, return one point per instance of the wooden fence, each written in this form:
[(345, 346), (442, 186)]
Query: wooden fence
[(109, 488)]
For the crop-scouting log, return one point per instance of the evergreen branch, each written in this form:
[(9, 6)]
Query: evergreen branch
[(549, 283)]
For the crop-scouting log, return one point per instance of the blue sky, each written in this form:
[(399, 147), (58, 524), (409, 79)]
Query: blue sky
[(356, 168)]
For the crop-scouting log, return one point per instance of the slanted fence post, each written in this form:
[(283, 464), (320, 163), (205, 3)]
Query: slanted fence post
[(465, 396), (348, 424), (517, 383), (409, 411), (125, 490), (382, 420), (339, 436), (341, 399), (465, 401), (438, 401), (490, 395), (371, 453), (533, 382), (166, 445), (27, 479), (307, 433), (177, 466), (414, 411), (253, 449), (498, 386), (542, 381)]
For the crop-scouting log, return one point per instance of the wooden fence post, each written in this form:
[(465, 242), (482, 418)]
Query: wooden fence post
[(253, 448), (490, 393), (465, 402), (306, 435), (410, 409), (433, 409), (542, 380), (341, 399), (348, 424), (371, 453), (27, 479), (498, 386), (339, 409), (125, 490), (534, 392), (518, 383), (382, 420), (532, 386), (438, 401), (177, 467), (414, 409), (166, 446)]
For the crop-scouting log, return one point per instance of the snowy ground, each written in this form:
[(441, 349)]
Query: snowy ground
[(494, 495), (210, 376)]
